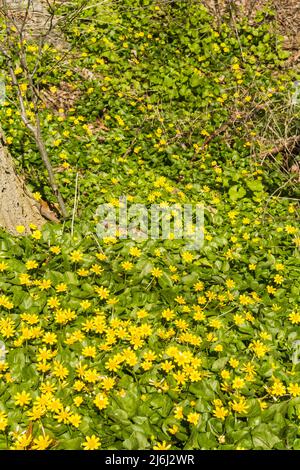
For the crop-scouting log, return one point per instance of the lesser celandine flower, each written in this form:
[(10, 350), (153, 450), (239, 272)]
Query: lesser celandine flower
[(3, 421), (76, 256), (156, 272), (22, 398), (36, 234), (3, 266), (41, 442), (91, 443), (162, 446), (20, 229)]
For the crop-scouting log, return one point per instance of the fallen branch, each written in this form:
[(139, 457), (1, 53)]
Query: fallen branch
[(285, 145)]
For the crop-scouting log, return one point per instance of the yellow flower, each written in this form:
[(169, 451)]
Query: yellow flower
[(220, 412), (173, 429), (290, 229), (7, 327), (101, 401), (36, 234), (127, 265), (36, 413), (199, 286), (31, 264), (3, 266), (101, 256), (156, 272), (278, 389), (181, 324), (238, 319), (193, 418), (89, 351), (265, 335), (238, 383), (42, 442), (278, 279), (43, 367), (20, 228), (263, 405), (96, 269), (53, 302), (234, 362), (75, 420), (294, 318), (271, 290), (239, 406), (297, 241), (78, 385), (63, 415), (167, 366), (246, 299), (146, 365), (178, 413), (103, 292), (294, 390), (230, 284), (113, 301), (85, 304), (162, 446), (55, 249), (83, 272), (3, 421), (91, 443), (258, 348), (49, 338), (134, 251), (78, 401), (60, 371), (215, 323), (225, 374), (249, 317), (22, 399), (141, 314), (108, 383), (45, 284), (201, 299), (24, 279), (22, 442), (279, 267), (180, 300), (187, 257), (62, 287), (76, 256), (47, 387), (168, 314), (5, 302)]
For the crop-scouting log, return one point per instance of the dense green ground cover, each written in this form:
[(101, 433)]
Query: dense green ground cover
[(119, 344)]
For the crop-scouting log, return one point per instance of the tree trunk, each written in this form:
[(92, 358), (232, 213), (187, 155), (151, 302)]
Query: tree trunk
[(17, 205)]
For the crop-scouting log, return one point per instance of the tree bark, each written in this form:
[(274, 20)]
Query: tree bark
[(17, 206)]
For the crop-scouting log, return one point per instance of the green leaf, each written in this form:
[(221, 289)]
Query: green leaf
[(263, 437), (236, 192), (196, 80), (255, 185)]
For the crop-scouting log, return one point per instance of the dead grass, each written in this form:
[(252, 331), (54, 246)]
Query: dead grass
[(63, 98)]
